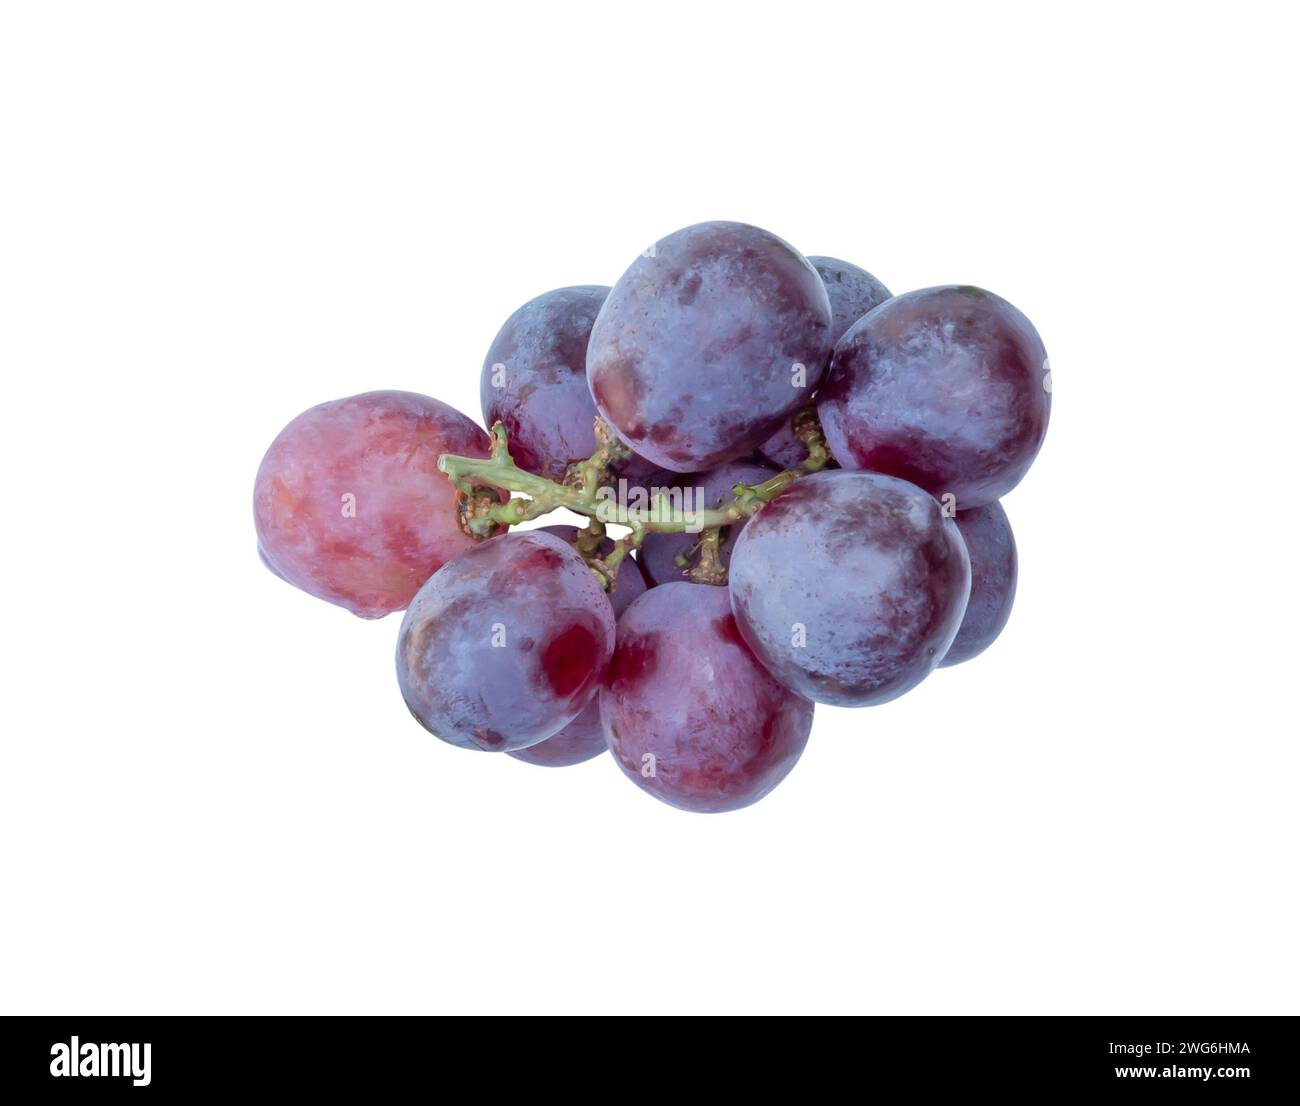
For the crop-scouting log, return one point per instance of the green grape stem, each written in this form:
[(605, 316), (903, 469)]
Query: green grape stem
[(483, 512)]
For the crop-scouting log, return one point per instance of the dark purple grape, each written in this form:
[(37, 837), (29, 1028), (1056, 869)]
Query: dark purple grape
[(534, 382), (584, 737), (852, 292), (349, 503), (786, 451), (691, 717), (702, 491), (783, 449), (706, 343), (579, 741), (992, 550), (850, 586), (945, 387), (506, 644)]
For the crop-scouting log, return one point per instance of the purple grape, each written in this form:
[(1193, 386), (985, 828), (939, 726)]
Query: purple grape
[(534, 382), (706, 343), (702, 491), (992, 550), (349, 503), (852, 292), (691, 717), (783, 449), (945, 387), (850, 586), (584, 737), (786, 451), (506, 644)]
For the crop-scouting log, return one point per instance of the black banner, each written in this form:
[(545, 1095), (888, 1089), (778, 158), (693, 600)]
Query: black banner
[(1220, 1057)]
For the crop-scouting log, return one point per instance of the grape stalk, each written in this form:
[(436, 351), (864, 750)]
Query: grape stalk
[(483, 512)]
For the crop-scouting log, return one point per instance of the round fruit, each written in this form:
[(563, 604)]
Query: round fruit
[(850, 586), (946, 387), (349, 503), (852, 292), (992, 550), (506, 644), (706, 343), (534, 382), (584, 737), (691, 717)]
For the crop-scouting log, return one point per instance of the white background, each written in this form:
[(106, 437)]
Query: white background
[(212, 798)]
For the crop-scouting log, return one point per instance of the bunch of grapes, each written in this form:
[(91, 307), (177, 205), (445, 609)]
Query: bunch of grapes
[(804, 472)]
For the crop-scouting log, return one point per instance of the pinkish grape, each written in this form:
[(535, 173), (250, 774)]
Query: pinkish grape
[(691, 717), (350, 505)]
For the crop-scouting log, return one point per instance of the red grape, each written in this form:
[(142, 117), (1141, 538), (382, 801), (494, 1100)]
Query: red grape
[(350, 505), (852, 292), (584, 737), (691, 717), (850, 586), (945, 387), (783, 449), (506, 644), (706, 343), (992, 550), (534, 382)]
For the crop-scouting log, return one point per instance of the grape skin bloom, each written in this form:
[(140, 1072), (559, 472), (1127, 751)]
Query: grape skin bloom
[(584, 737), (850, 586), (944, 387), (506, 644), (852, 292), (993, 568), (706, 343), (350, 506), (534, 382), (690, 716)]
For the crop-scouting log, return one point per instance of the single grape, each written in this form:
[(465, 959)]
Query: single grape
[(852, 292), (783, 449), (992, 550), (706, 343), (690, 716), (584, 737), (701, 491), (506, 644), (850, 586), (349, 503), (945, 387), (534, 382)]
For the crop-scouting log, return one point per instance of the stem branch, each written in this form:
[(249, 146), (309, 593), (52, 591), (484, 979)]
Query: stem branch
[(581, 493)]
